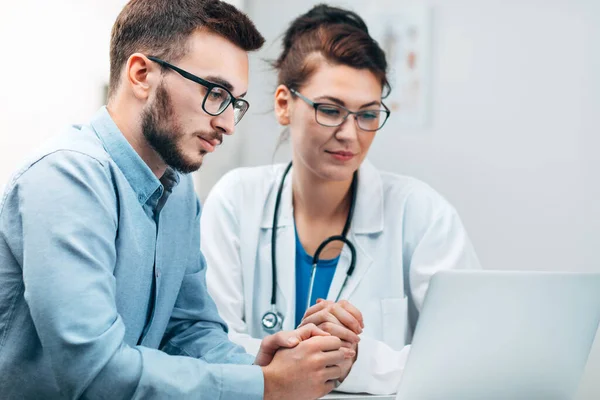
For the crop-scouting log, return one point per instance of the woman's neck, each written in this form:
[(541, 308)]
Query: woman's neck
[(320, 209), (319, 199)]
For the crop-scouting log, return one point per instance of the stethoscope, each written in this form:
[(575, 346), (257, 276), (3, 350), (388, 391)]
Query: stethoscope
[(272, 320)]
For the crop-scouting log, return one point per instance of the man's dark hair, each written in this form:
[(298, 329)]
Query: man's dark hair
[(162, 27)]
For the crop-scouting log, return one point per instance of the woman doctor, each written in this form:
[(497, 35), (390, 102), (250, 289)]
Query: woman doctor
[(261, 227)]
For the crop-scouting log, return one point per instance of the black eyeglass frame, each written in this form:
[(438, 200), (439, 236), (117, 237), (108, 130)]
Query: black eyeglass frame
[(209, 87), (316, 106)]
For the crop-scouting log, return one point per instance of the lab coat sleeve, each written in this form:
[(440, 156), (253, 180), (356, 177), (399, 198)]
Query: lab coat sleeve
[(434, 239), (377, 369), (220, 231)]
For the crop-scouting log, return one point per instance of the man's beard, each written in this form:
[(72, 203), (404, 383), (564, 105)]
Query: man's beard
[(163, 134)]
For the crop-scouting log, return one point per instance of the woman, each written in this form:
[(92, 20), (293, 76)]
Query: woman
[(262, 226)]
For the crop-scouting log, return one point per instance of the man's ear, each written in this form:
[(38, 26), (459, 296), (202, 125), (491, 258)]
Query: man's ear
[(141, 73)]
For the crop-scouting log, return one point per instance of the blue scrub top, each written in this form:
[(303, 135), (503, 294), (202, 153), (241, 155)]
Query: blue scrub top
[(323, 278)]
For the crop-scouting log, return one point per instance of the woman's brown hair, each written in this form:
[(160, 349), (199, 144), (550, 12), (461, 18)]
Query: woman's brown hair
[(336, 35)]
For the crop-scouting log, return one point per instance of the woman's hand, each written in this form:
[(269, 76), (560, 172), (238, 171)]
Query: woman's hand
[(339, 319)]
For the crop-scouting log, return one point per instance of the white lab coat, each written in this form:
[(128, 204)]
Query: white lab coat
[(402, 229)]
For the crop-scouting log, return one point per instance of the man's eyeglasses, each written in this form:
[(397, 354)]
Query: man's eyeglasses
[(334, 115), (216, 99)]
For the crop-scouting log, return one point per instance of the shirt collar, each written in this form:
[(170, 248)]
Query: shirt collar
[(136, 171)]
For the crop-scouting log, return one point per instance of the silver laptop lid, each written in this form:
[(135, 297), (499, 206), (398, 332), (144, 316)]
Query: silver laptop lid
[(502, 335)]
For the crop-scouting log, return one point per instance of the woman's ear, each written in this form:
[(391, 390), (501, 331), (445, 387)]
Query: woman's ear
[(283, 102)]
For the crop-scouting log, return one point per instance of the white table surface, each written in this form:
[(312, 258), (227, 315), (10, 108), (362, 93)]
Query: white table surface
[(356, 396)]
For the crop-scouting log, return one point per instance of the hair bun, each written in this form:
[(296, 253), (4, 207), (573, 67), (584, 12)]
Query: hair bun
[(320, 15), (323, 14)]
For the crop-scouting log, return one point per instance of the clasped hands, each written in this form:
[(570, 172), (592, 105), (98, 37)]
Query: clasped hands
[(306, 362)]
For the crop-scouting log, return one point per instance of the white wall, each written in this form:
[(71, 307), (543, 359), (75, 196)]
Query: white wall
[(513, 124), (54, 65), (514, 130), (58, 64)]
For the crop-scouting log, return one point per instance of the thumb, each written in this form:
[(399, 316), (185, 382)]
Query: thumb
[(293, 338), (309, 330)]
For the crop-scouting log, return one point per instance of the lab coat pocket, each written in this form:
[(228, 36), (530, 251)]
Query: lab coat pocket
[(394, 314)]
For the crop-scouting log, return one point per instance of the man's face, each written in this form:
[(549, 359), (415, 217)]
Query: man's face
[(174, 122)]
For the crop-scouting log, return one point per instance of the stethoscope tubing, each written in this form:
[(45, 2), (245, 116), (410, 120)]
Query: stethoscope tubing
[(274, 318)]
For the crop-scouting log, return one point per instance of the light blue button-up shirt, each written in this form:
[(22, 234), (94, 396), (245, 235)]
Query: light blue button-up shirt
[(102, 282)]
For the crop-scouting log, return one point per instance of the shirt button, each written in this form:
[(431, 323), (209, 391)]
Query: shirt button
[(141, 197), (157, 273)]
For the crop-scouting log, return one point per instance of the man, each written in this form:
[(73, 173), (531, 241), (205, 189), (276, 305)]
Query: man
[(102, 283)]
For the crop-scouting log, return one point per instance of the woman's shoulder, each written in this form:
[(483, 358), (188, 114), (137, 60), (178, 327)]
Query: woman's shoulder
[(404, 185), (244, 181), (393, 184), (410, 193), (251, 176), (258, 173)]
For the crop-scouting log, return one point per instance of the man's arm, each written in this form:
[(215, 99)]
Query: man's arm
[(68, 217), (195, 328)]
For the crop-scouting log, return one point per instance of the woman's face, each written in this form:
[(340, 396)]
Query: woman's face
[(331, 153)]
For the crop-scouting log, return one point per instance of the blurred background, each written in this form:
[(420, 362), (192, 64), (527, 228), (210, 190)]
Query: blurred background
[(504, 118)]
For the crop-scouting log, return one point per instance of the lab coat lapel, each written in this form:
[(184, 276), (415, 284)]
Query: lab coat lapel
[(363, 263), (366, 224), (286, 276)]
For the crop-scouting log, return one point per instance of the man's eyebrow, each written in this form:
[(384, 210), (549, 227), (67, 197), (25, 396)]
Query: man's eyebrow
[(225, 83), (221, 82)]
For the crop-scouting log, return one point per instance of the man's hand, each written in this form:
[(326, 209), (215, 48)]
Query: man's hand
[(307, 371), (288, 339), (340, 319)]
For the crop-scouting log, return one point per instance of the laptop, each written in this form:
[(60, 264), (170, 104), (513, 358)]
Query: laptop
[(502, 335)]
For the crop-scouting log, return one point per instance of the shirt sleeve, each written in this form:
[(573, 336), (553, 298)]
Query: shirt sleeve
[(68, 216), (195, 328)]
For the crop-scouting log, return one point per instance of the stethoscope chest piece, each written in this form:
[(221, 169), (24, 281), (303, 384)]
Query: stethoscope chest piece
[(272, 321)]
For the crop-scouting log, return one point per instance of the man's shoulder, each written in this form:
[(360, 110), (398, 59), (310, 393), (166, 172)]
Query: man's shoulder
[(77, 139), (77, 147)]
